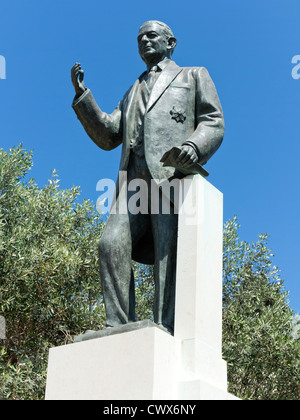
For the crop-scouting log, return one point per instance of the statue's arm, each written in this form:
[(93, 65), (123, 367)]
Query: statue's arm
[(209, 131), (104, 129)]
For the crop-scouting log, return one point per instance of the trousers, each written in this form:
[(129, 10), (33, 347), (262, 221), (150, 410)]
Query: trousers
[(121, 233)]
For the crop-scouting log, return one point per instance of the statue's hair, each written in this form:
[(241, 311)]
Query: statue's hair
[(167, 30)]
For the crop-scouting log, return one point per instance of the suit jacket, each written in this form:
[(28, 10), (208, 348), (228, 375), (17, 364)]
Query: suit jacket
[(183, 107)]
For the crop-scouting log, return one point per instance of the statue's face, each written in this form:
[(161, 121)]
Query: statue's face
[(152, 43)]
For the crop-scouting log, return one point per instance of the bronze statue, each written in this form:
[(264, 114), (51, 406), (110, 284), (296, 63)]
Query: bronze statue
[(168, 106)]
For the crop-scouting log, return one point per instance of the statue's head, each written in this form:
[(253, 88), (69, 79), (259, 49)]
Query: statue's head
[(155, 41)]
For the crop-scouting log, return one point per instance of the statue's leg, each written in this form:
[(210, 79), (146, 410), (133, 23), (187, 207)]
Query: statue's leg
[(115, 269), (115, 257), (165, 243)]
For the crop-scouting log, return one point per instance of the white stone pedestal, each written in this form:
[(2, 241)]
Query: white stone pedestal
[(139, 361), (141, 364), (198, 315)]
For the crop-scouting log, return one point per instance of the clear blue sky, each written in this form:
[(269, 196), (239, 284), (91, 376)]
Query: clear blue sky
[(247, 46)]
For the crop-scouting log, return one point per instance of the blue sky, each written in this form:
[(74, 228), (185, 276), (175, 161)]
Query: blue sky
[(247, 47)]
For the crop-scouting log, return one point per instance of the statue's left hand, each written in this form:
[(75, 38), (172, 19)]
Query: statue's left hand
[(187, 156)]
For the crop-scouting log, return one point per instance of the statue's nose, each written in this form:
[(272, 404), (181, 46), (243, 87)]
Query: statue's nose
[(144, 39)]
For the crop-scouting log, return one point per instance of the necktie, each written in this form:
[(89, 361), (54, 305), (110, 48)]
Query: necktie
[(151, 78), (141, 103)]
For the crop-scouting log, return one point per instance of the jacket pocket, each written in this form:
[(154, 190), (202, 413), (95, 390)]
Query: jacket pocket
[(180, 85)]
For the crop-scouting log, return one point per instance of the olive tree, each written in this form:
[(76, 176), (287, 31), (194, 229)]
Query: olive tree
[(259, 339), (49, 278)]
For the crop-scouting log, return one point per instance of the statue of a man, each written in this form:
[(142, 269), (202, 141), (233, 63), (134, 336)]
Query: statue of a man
[(167, 106)]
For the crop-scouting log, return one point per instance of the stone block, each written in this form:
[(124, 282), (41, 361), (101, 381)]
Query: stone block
[(141, 364)]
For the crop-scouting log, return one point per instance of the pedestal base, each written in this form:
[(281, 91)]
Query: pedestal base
[(144, 363), (141, 364), (140, 361)]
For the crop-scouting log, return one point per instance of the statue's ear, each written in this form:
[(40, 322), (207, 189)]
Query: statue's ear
[(172, 43)]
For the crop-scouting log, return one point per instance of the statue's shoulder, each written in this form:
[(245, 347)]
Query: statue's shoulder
[(194, 69), (197, 73)]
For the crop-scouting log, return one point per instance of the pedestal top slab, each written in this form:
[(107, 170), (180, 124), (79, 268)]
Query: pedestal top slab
[(132, 326)]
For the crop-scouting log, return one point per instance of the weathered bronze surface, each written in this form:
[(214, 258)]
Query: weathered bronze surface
[(167, 107)]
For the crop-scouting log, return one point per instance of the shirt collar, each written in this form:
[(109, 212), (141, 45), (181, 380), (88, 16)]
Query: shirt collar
[(162, 64)]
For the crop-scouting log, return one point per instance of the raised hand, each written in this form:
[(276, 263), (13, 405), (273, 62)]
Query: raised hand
[(77, 75)]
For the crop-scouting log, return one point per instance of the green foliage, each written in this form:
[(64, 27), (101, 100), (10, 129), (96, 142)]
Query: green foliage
[(49, 277), (144, 291), (50, 291), (259, 343)]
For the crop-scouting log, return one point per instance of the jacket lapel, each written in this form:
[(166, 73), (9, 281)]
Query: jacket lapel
[(164, 80), (128, 109), (130, 96)]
